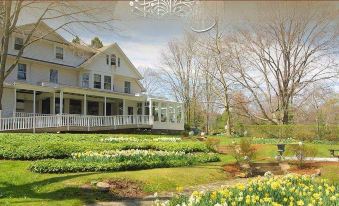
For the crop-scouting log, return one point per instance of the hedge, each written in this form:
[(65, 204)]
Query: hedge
[(72, 165), (300, 132)]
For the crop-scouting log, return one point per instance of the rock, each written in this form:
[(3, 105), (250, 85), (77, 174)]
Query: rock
[(103, 186), (242, 175), (245, 166)]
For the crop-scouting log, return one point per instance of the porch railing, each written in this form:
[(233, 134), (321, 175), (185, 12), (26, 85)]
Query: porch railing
[(69, 120)]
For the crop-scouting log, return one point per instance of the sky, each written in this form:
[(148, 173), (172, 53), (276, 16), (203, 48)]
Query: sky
[(143, 39)]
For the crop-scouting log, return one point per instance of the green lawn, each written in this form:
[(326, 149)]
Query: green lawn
[(19, 186)]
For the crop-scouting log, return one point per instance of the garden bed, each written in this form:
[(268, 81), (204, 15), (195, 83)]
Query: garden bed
[(286, 190), (90, 162)]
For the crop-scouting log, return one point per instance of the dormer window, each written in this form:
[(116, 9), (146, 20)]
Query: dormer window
[(113, 59), (59, 52), (19, 43)]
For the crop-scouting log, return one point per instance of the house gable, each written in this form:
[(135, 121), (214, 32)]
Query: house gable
[(98, 62)]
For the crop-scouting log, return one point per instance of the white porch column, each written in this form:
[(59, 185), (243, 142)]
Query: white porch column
[(53, 103), (105, 102), (142, 108), (150, 112), (85, 105), (159, 111), (14, 103), (124, 109), (167, 111), (61, 101), (34, 101)]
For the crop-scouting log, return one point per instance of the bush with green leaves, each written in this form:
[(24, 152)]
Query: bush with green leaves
[(302, 151), (243, 151), (114, 164)]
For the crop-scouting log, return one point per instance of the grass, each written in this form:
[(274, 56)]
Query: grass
[(21, 187)]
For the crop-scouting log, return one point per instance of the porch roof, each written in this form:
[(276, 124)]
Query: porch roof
[(52, 88)]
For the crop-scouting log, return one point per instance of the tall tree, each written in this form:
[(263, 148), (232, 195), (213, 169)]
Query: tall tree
[(180, 73), (96, 43), (276, 59), (65, 13), (220, 72)]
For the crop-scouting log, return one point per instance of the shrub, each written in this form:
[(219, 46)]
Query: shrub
[(212, 144), (286, 190), (80, 165), (301, 151), (184, 133), (243, 151)]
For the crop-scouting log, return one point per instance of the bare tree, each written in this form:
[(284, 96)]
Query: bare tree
[(278, 58), (180, 74), (65, 13), (150, 80), (219, 72)]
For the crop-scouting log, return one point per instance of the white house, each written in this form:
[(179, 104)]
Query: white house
[(66, 86)]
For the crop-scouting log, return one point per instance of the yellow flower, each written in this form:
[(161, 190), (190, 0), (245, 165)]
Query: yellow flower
[(240, 186), (333, 198), (214, 195), (300, 203)]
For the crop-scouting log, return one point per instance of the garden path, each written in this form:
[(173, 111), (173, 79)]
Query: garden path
[(319, 159), (149, 200)]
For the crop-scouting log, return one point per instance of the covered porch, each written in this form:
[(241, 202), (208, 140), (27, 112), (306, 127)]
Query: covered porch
[(32, 107)]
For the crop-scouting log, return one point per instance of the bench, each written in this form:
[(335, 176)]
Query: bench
[(333, 152)]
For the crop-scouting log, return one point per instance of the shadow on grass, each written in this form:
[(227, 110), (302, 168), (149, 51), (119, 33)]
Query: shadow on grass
[(31, 190)]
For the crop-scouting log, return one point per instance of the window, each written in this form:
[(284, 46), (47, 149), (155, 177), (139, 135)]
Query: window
[(146, 108), (97, 81), (59, 52), (127, 87), (155, 111), (22, 71), (108, 82), (18, 44), (121, 108), (163, 112), (118, 62), (107, 59), (139, 108), (53, 76), (85, 80), (179, 114), (113, 59), (171, 114)]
